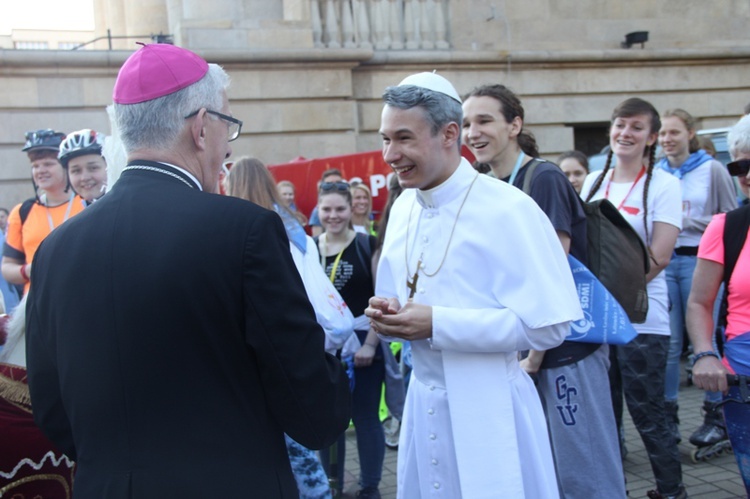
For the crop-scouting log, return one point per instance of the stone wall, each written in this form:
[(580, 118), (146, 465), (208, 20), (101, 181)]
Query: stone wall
[(561, 56)]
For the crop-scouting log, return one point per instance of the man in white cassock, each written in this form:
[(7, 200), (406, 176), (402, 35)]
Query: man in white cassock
[(471, 272)]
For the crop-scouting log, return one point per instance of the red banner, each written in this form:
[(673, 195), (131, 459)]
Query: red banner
[(367, 167)]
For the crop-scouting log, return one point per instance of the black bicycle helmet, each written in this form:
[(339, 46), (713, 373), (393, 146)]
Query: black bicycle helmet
[(46, 139)]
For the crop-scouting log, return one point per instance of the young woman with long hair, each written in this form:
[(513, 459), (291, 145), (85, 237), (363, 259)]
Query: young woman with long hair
[(707, 189), (362, 209), (347, 257), (249, 179), (649, 199)]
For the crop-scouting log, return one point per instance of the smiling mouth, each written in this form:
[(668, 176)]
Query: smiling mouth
[(479, 145), (400, 170)]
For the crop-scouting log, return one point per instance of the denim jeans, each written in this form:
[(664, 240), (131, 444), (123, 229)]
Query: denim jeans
[(737, 418), (368, 385), (679, 275)]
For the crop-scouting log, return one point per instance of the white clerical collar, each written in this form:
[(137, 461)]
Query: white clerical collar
[(182, 170), (446, 192)]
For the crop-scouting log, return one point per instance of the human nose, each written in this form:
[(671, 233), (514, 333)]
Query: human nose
[(390, 153), (471, 131)]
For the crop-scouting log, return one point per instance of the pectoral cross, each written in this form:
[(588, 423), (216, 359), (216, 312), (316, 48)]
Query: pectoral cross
[(411, 284)]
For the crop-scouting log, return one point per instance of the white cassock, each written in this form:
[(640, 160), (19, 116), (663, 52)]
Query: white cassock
[(473, 424)]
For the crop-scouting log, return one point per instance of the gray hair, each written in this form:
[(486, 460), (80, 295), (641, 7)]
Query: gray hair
[(738, 138), (439, 108), (156, 124)]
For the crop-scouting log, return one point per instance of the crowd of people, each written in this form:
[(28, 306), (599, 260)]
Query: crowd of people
[(228, 341)]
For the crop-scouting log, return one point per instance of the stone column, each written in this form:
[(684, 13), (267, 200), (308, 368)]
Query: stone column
[(145, 17), (109, 15)]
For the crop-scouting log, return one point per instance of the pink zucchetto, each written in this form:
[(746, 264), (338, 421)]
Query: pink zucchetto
[(156, 70)]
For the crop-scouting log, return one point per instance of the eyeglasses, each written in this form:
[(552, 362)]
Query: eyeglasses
[(235, 125), (739, 168), (334, 186)]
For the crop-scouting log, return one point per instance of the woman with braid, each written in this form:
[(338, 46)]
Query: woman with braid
[(650, 200)]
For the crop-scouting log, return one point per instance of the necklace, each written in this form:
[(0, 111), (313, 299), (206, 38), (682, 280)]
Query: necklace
[(159, 170), (411, 284), (67, 212)]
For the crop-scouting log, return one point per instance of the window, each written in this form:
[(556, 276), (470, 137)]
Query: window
[(27, 45)]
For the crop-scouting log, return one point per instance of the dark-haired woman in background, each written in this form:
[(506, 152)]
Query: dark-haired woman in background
[(249, 179), (575, 166)]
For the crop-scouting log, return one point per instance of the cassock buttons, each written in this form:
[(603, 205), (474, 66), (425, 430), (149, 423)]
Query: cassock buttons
[(436, 485), (431, 412), (433, 436), (421, 290), (425, 239), (434, 462), (432, 388)]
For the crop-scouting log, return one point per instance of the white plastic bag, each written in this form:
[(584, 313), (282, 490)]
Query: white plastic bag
[(331, 311)]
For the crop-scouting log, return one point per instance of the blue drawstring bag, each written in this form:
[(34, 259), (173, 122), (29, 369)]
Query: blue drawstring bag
[(604, 320)]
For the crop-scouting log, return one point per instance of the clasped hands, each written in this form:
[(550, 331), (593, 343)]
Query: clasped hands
[(411, 322)]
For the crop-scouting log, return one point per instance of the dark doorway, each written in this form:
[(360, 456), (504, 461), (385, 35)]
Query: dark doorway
[(590, 138)]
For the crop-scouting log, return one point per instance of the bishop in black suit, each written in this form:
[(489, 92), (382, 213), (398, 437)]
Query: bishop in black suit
[(170, 340)]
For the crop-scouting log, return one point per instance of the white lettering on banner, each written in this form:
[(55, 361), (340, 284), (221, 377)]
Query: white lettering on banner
[(377, 182)]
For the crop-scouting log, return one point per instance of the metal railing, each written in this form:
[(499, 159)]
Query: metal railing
[(160, 38)]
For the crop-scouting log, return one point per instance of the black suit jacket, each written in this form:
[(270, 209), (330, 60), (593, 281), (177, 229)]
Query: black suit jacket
[(171, 344)]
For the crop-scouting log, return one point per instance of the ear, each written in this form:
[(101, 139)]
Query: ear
[(198, 130), (451, 134), (515, 127), (652, 139)]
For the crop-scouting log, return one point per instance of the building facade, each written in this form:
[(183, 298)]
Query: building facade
[(307, 75)]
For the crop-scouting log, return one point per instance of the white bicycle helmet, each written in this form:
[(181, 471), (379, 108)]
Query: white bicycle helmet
[(80, 143)]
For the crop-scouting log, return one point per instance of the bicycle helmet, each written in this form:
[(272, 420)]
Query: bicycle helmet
[(80, 143), (46, 139)]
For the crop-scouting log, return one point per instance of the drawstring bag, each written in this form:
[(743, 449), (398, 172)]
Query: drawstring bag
[(604, 319)]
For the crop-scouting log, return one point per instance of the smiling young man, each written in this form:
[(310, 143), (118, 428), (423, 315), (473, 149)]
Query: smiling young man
[(460, 278), (32, 221)]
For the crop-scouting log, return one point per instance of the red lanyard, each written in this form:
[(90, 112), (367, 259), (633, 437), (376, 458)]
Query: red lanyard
[(606, 191)]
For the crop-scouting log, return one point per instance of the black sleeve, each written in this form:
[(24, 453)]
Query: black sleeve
[(307, 389), (44, 383)]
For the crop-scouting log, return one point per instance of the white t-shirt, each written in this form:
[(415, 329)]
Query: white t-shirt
[(664, 205)]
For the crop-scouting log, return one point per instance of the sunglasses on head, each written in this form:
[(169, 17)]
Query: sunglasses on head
[(334, 186), (739, 168)]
